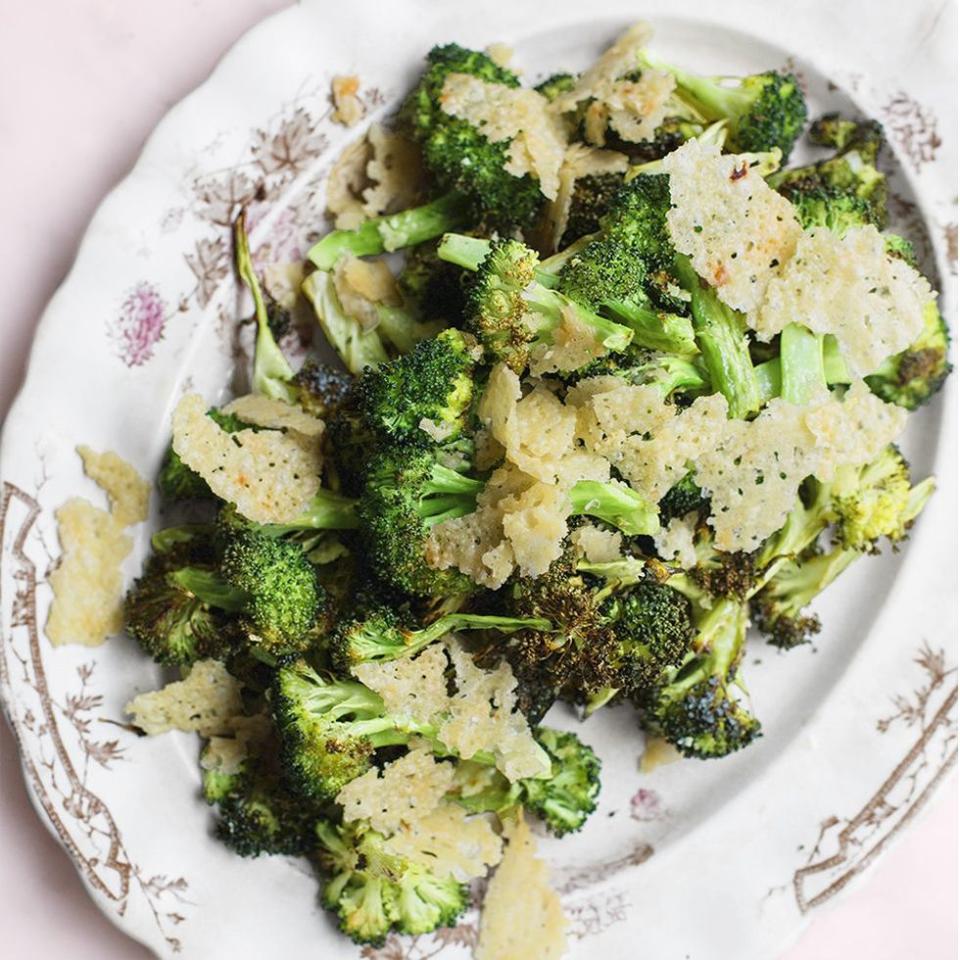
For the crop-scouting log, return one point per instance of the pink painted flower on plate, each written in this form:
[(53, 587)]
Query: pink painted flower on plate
[(140, 324), (645, 806)]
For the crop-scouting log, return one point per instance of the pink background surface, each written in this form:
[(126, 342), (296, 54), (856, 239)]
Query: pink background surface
[(82, 84)]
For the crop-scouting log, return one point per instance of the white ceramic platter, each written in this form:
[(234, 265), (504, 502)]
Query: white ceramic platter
[(702, 861)]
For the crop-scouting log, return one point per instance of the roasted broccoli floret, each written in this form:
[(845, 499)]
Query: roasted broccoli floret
[(556, 84), (430, 286), (563, 800), (590, 200), (406, 492), (269, 583), (432, 383), (321, 388), (819, 205), (373, 891), (330, 729), (457, 153), (913, 377), (682, 498), (763, 111), (512, 313), (699, 709), (380, 635)]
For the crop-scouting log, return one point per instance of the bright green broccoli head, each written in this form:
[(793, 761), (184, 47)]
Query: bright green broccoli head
[(329, 729), (556, 84), (283, 598), (913, 377), (817, 205), (373, 891), (456, 152), (568, 796), (434, 382)]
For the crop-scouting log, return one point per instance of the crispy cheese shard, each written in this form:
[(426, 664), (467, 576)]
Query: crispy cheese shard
[(596, 545), (394, 171), (261, 411), (676, 543), (753, 474), (402, 793), (522, 914), (537, 136), (362, 286), (270, 476), (206, 701), (848, 286), (128, 492), (735, 229)]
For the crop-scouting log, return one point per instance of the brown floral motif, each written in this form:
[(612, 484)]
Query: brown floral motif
[(913, 127), (906, 215), (62, 748), (210, 263), (846, 846), (950, 239), (290, 147)]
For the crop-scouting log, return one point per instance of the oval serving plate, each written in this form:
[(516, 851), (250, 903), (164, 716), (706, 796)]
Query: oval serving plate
[(757, 841)]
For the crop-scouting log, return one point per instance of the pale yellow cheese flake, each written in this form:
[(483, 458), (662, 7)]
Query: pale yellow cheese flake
[(541, 436), (675, 542), (403, 793), (270, 476), (362, 286), (413, 688), (658, 752), (348, 108), (87, 586), (394, 170), (261, 411), (206, 701), (345, 184), (242, 737), (522, 914), (756, 468), (733, 226), (596, 545), (500, 53), (573, 344), (537, 137), (449, 843), (128, 492), (848, 286), (535, 524), (498, 405)]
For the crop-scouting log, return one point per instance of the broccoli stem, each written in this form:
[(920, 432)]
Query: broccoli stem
[(393, 231), (271, 372), (553, 308), (210, 588), (657, 330), (615, 503), (770, 378), (721, 336), (327, 511), (470, 252), (802, 377)]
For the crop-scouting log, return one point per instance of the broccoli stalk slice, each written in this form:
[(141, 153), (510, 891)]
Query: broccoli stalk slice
[(721, 336), (669, 374), (393, 231), (446, 495), (327, 511), (802, 375), (377, 639), (770, 377), (616, 503), (656, 329), (210, 588), (551, 307), (271, 372), (356, 347)]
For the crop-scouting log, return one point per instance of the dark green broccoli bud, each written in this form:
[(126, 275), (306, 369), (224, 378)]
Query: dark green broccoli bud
[(670, 374), (832, 130), (877, 501), (913, 377), (698, 709), (393, 231), (176, 481), (373, 891), (683, 498), (434, 382), (510, 313), (379, 635), (270, 583), (900, 248), (589, 202), (271, 371), (818, 205), (556, 84), (851, 171), (721, 336), (763, 111), (430, 286), (321, 388), (258, 814), (680, 126), (330, 729), (457, 153), (170, 623)]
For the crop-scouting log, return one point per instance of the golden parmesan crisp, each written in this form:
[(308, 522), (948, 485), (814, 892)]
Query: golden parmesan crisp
[(87, 585), (362, 286), (269, 476), (348, 108), (345, 184), (261, 411), (675, 542), (394, 170), (735, 229), (411, 688), (129, 493), (596, 545), (207, 702), (522, 914)]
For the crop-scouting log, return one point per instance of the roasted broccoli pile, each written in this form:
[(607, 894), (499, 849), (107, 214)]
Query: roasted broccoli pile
[(595, 430)]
